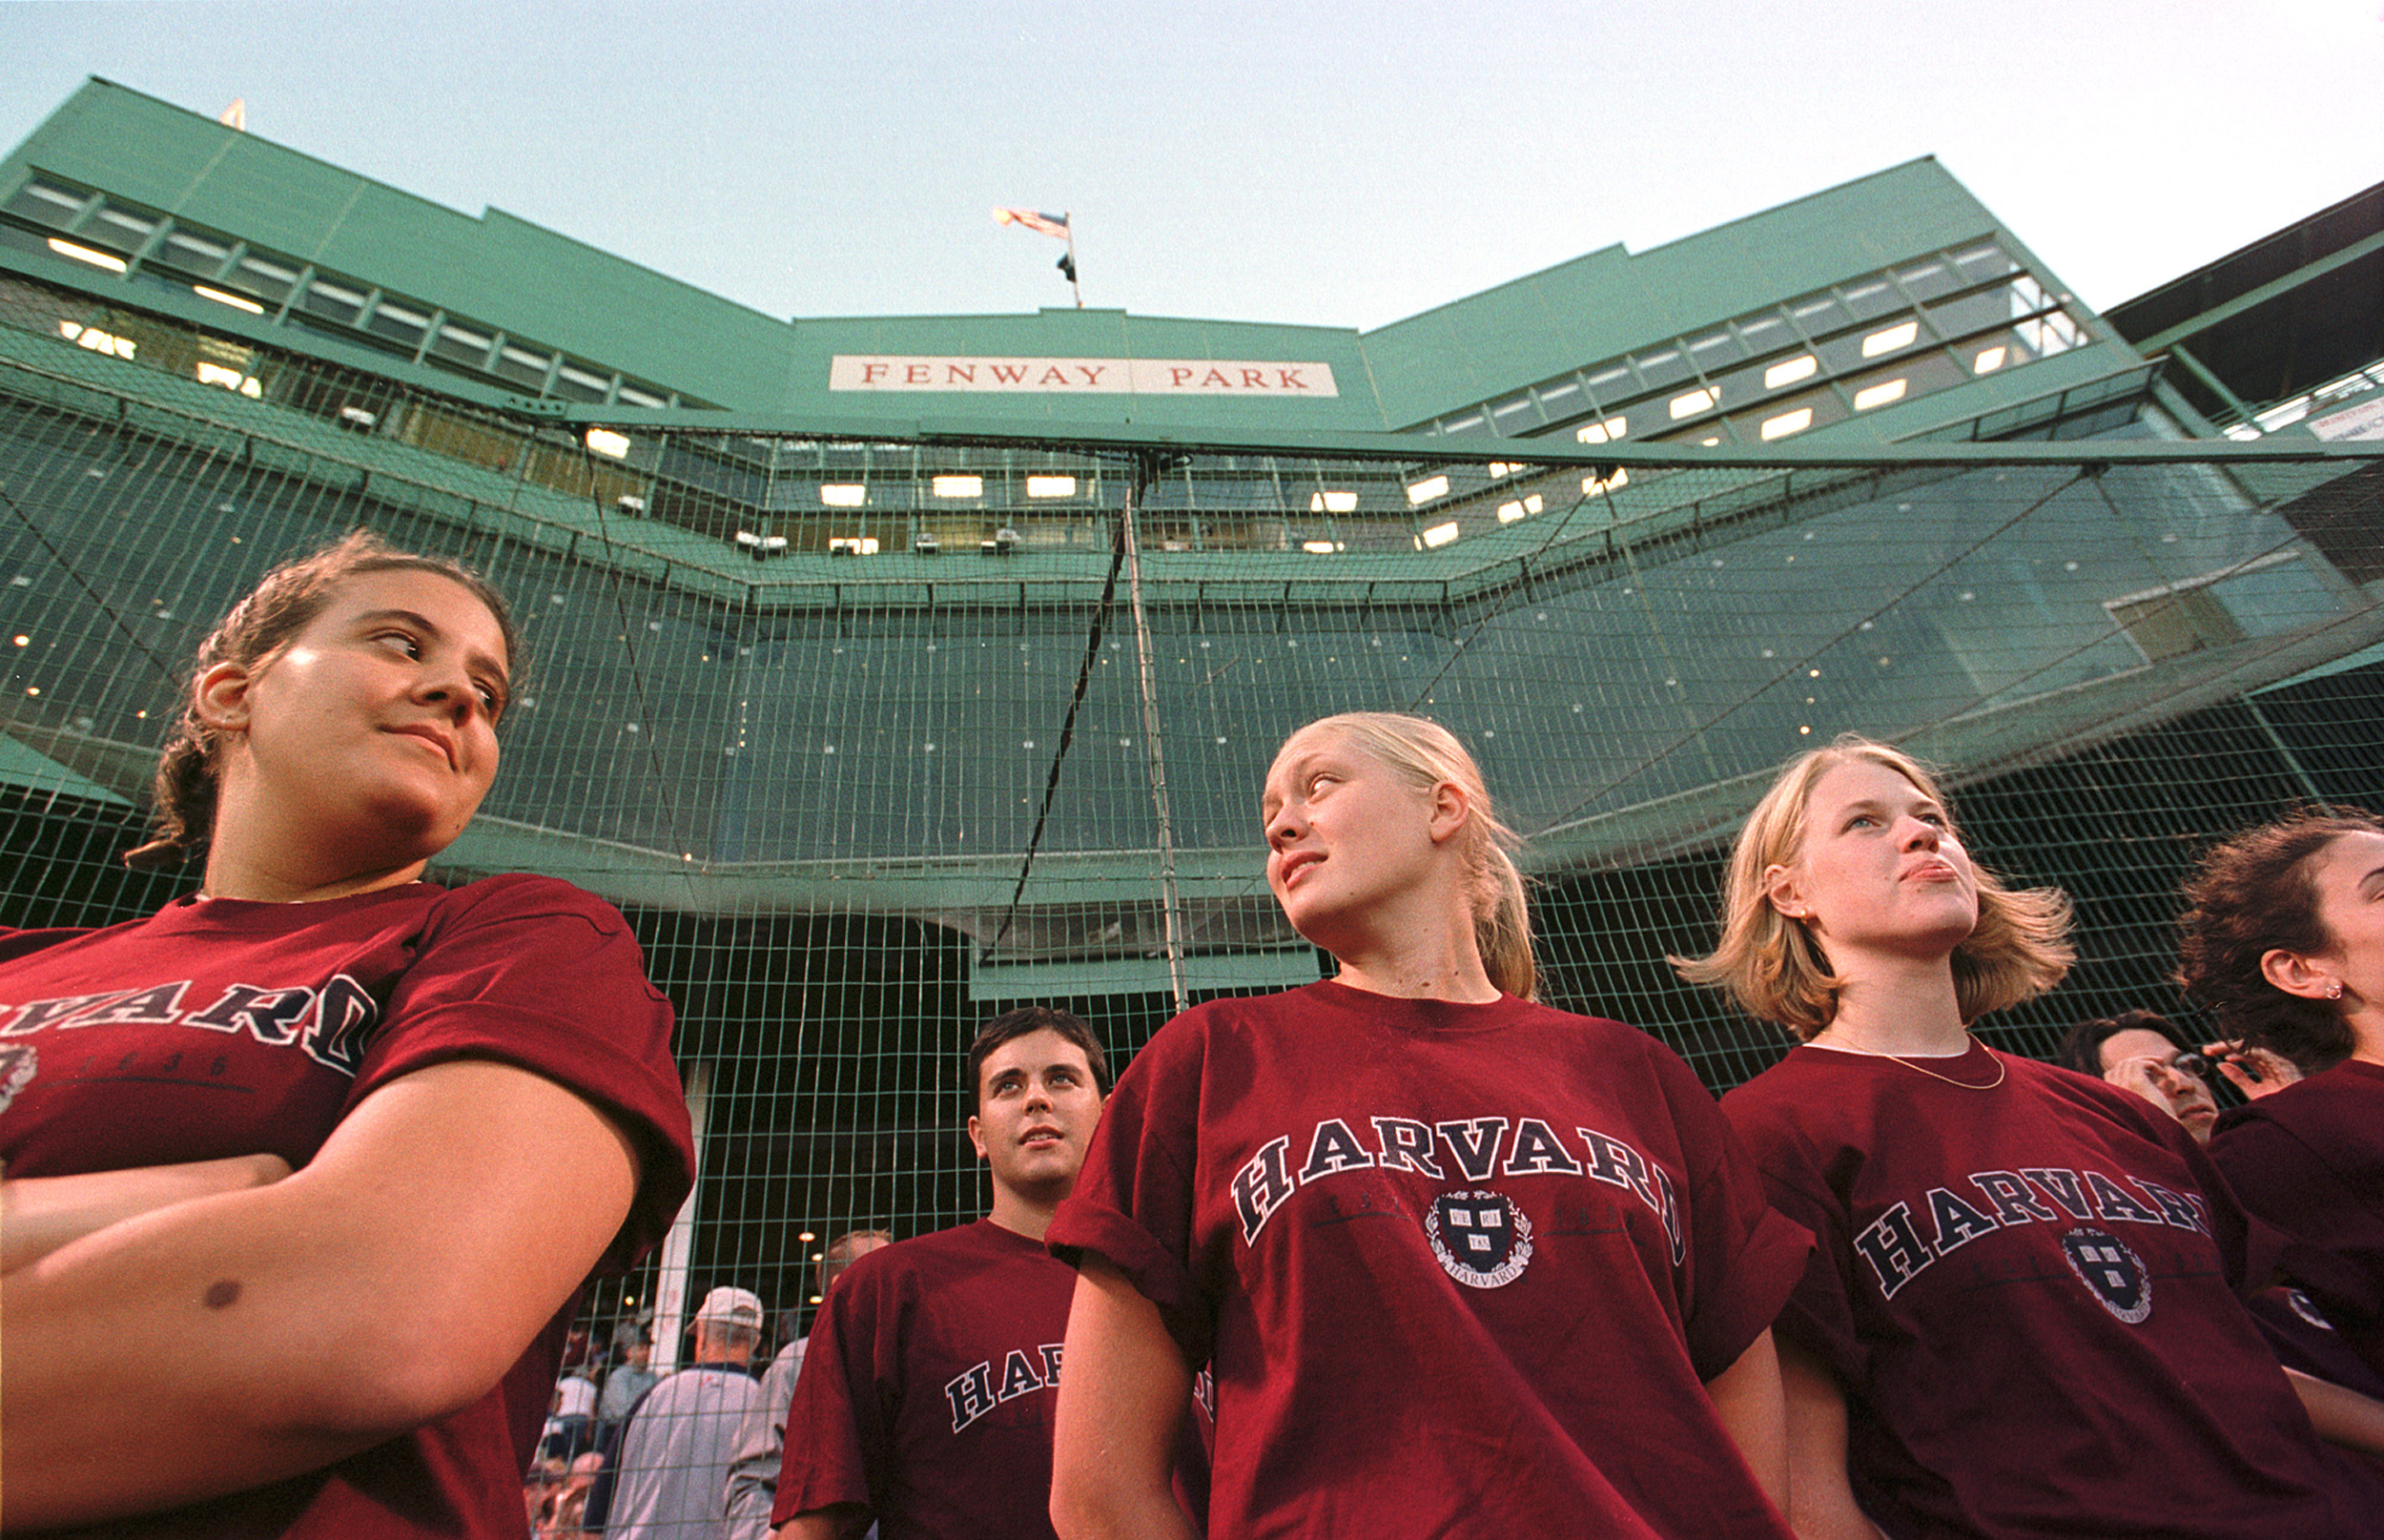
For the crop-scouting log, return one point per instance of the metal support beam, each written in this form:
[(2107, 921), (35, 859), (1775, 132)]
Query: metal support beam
[(2252, 299)]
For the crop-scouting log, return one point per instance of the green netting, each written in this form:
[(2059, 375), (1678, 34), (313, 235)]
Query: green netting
[(872, 739)]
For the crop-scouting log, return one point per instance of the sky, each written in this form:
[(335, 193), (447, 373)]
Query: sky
[(1294, 161)]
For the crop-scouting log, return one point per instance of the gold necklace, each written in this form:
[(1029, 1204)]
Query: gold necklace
[(2001, 1068)]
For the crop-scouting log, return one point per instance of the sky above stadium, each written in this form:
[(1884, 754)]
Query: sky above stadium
[(1335, 164)]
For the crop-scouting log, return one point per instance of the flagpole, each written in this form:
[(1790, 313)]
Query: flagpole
[(1074, 287)]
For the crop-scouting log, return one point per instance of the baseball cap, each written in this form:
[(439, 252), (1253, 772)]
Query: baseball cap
[(733, 1307)]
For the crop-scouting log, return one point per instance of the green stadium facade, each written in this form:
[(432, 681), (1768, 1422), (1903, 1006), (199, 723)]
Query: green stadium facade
[(888, 670)]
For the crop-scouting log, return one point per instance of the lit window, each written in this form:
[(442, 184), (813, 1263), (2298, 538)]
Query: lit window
[(84, 254), (959, 486), (1440, 535), (853, 545), (1890, 339), (606, 441), (1606, 432), (1787, 422), (1788, 371), (1988, 361), (1509, 512), (97, 341), (222, 298), (1506, 468), (1333, 503), (1531, 504), (216, 374), (1320, 548), (1592, 486), (1426, 489), (1879, 394), (1051, 486), (1694, 402), (843, 495)]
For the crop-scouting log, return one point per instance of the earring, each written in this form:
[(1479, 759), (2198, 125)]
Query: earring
[(2335, 992)]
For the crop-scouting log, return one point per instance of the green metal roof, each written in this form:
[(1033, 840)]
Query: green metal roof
[(1610, 300), (497, 268), (534, 284)]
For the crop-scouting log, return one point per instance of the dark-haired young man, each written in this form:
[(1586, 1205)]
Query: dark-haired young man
[(925, 1397)]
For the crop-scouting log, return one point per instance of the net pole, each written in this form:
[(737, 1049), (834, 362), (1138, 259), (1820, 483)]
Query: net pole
[(1146, 468)]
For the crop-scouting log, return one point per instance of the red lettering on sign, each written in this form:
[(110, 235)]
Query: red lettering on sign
[(1092, 377), (1254, 378), (915, 373), (1177, 377), (1008, 374), (959, 373), (873, 372), (1291, 379), (1053, 376), (1216, 377)]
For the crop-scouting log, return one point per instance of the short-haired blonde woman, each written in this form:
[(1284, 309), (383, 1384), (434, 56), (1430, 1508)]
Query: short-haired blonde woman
[(2284, 942), (1460, 1265), (2020, 1317)]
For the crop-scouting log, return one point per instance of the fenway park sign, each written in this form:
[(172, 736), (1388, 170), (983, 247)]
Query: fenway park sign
[(1140, 377)]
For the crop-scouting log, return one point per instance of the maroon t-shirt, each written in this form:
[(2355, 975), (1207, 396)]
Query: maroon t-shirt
[(926, 1390), (221, 1027), (2029, 1292), (2310, 1160), (1457, 1269)]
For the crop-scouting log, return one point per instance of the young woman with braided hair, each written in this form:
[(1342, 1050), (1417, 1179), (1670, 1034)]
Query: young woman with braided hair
[(470, 1089)]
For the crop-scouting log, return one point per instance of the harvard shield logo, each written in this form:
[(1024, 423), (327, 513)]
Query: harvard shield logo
[(16, 1068), (1481, 1238), (2111, 1271)]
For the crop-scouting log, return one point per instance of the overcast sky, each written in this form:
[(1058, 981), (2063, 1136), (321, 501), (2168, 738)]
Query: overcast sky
[(1341, 165)]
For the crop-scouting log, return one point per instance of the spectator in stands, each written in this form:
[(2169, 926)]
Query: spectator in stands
[(571, 1424), (672, 1462), (926, 1394), (2283, 941), (2144, 1052), (628, 1380), (762, 1442), (2021, 1318), (472, 1088)]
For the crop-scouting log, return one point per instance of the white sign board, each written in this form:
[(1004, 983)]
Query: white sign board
[(1140, 377), (2365, 420)]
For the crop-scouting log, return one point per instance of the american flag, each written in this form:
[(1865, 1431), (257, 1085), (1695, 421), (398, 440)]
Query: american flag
[(1050, 224)]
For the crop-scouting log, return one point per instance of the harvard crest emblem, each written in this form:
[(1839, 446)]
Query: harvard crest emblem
[(1481, 1238), (16, 1068), (2111, 1270)]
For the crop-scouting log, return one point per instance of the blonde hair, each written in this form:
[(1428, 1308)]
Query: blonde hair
[(1425, 755), (1772, 966)]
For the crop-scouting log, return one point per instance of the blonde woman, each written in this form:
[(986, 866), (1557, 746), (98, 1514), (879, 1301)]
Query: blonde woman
[(1459, 1264), (2021, 1318)]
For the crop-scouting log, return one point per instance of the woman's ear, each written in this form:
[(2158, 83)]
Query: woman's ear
[(1451, 808), (220, 697), (1780, 887), (2297, 975)]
